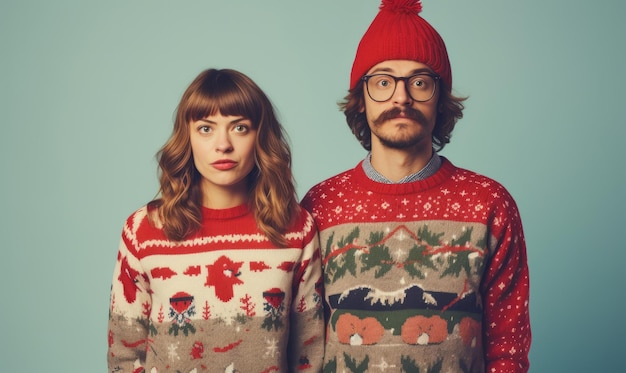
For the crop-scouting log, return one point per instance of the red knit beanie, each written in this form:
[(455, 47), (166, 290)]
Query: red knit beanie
[(399, 33)]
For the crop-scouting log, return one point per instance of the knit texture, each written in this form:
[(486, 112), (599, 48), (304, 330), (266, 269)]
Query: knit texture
[(426, 276), (224, 300), (399, 33)]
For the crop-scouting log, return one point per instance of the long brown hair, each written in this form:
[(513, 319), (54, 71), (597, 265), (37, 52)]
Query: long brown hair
[(273, 198), (450, 111)]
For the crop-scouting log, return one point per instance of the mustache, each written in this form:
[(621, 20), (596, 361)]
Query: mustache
[(395, 112)]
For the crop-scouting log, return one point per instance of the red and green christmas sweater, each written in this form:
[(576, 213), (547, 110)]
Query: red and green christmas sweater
[(425, 276), (224, 300)]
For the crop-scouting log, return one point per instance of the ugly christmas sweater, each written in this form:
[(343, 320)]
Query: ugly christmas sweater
[(224, 300), (425, 276)]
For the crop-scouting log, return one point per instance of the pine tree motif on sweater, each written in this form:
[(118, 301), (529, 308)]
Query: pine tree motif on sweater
[(423, 276)]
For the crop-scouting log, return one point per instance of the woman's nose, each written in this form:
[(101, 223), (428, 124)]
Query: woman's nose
[(223, 144)]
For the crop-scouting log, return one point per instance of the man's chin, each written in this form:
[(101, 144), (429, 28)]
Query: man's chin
[(399, 144)]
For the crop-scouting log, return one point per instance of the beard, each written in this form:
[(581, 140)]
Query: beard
[(399, 141)]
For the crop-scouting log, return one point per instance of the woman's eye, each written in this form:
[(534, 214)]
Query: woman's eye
[(241, 128), (204, 129)]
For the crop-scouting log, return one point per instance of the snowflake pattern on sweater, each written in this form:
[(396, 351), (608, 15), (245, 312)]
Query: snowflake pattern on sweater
[(223, 300), (426, 276)]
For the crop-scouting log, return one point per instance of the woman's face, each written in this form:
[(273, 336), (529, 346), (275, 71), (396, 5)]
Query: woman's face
[(223, 153)]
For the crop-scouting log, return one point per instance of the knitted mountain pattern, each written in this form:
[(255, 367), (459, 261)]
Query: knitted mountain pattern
[(224, 300), (426, 276)]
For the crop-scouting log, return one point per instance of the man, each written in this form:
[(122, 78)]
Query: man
[(425, 263)]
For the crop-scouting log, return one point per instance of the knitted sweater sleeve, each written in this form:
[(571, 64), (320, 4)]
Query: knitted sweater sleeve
[(505, 290), (129, 309), (306, 346)]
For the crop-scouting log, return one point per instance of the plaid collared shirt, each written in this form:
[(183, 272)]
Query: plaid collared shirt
[(429, 170)]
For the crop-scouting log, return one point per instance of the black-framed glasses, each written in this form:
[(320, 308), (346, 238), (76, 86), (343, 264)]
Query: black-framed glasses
[(421, 87)]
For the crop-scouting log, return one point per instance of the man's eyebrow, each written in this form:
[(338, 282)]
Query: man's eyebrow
[(381, 70), (412, 72)]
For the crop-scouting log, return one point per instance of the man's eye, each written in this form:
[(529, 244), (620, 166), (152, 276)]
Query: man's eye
[(422, 82), (384, 83), (418, 83)]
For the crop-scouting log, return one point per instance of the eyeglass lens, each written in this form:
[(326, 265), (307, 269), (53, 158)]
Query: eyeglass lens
[(420, 87)]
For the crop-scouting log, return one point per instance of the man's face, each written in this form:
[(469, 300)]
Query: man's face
[(401, 122)]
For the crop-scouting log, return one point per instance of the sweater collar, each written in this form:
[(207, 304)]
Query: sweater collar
[(224, 214)]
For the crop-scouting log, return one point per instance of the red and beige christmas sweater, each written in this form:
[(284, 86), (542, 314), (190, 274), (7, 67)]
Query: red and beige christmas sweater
[(223, 300), (425, 276)]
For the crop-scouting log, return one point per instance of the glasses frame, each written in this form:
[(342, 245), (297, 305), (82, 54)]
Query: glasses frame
[(405, 79)]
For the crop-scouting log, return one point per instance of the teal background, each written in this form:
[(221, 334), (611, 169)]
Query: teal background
[(88, 90)]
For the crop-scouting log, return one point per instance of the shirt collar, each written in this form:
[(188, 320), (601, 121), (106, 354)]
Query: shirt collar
[(430, 169)]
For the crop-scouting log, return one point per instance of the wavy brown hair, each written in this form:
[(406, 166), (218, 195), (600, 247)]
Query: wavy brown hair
[(271, 185), (450, 110)]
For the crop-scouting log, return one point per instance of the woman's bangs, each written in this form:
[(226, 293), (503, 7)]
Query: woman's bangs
[(227, 100)]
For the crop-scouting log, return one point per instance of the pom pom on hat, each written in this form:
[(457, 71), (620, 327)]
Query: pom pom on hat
[(402, 6), (399, 33)]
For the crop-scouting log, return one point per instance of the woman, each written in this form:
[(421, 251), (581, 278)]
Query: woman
[(222, 272)]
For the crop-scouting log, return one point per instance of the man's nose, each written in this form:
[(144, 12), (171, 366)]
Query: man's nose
[(401, 95)]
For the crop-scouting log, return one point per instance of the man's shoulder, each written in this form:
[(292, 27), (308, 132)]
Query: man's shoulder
[(317, 193), (480, 183), (339, 179)]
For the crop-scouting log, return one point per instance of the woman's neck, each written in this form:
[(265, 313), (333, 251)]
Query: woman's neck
[(224, 197)]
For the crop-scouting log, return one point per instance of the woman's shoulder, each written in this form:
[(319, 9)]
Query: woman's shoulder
[(146, 220), (149, 211), (302, 216), (303, 224)]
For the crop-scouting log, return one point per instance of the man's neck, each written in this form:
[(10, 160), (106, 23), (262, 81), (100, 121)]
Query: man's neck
[(396, 164)]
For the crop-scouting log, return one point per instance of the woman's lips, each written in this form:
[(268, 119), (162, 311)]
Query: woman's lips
[(224, 164)]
